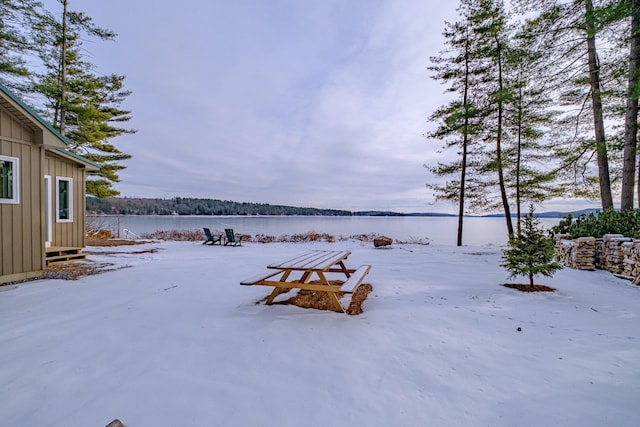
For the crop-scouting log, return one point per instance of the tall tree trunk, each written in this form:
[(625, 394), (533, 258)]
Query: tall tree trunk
[(503, 190), (596, 101), (63, 71), (463, 174), (519, 159), (465, 142), (631, 114)]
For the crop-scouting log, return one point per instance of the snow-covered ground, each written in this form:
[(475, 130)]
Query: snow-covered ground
[(174, 340)]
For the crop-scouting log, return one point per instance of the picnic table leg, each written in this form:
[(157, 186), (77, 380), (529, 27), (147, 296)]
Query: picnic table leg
[(272, 295), (276, 291), (305, 276), (345, 269), (332, 295), (336, 302)]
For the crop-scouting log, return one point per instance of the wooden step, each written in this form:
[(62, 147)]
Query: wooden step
[(65, 258), (58, 255)]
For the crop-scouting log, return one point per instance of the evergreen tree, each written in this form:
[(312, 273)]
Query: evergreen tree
[(495, 121), (631, 111), (82, 105), (530, 253), (566, 32), (604, 178), (16, 22), (493, 49), (459, 120), (528, 115)]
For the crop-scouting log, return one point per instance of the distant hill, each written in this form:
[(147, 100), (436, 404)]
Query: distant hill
[(550, 214), (388, 213), (188, 206), (193, 206)]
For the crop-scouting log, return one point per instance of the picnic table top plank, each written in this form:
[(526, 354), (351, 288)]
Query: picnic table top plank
[(296, 260), (314, 260)]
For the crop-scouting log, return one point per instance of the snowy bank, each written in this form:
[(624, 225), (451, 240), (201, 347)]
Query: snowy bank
[(174, 340)]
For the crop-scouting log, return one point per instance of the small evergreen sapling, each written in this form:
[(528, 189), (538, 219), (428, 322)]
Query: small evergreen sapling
[(530, 253)]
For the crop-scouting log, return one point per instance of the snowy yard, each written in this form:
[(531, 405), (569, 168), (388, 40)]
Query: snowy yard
[(174, 340)]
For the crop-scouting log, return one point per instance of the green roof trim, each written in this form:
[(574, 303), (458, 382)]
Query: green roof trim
[(79, 157), (49, 127), (35, 115)]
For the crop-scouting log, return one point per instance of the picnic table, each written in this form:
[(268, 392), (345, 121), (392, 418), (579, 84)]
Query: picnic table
[(298, 271)]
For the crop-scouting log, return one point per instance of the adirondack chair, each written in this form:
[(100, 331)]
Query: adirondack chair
[(232, 240), (212, 239)]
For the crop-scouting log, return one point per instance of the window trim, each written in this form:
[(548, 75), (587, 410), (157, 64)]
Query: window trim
[(48, 208), (70, 199), (15, 200)]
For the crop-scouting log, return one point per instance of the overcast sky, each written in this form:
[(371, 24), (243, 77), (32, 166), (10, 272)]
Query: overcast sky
[(318, 103)]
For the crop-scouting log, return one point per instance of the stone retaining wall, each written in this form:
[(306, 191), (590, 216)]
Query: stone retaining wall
[(615, 253)]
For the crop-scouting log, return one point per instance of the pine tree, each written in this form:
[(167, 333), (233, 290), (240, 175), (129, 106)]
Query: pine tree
[(82, 105), (530, 253), (16, 22), (631, 111), (528, 115), (567, 32), (459, 120), (494, 32), (498, 120)]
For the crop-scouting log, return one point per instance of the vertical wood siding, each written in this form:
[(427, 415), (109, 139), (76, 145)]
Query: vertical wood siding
[(21, 228), (67, 233)]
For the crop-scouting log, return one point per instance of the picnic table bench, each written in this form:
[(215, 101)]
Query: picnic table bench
[(304, 267)]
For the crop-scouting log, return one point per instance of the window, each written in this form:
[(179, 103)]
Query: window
[(9, 178), (64, 199)]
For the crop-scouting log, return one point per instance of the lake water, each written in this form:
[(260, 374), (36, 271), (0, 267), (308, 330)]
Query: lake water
[(438, 230)]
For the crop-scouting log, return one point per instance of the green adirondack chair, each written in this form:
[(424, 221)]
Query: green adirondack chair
[(232, 239), (211, 238)]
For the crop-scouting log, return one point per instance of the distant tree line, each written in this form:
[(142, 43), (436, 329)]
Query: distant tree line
[(187, 206)]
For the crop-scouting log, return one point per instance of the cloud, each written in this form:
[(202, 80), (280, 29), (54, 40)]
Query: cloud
[(319, 103)]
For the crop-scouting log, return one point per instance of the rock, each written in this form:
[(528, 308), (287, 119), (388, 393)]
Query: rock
[(382, 241)]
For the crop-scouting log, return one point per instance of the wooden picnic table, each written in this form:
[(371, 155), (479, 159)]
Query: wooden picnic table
[(304, 267)]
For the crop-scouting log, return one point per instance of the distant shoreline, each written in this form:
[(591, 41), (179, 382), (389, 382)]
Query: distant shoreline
[(558, 215), (181, 206)]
